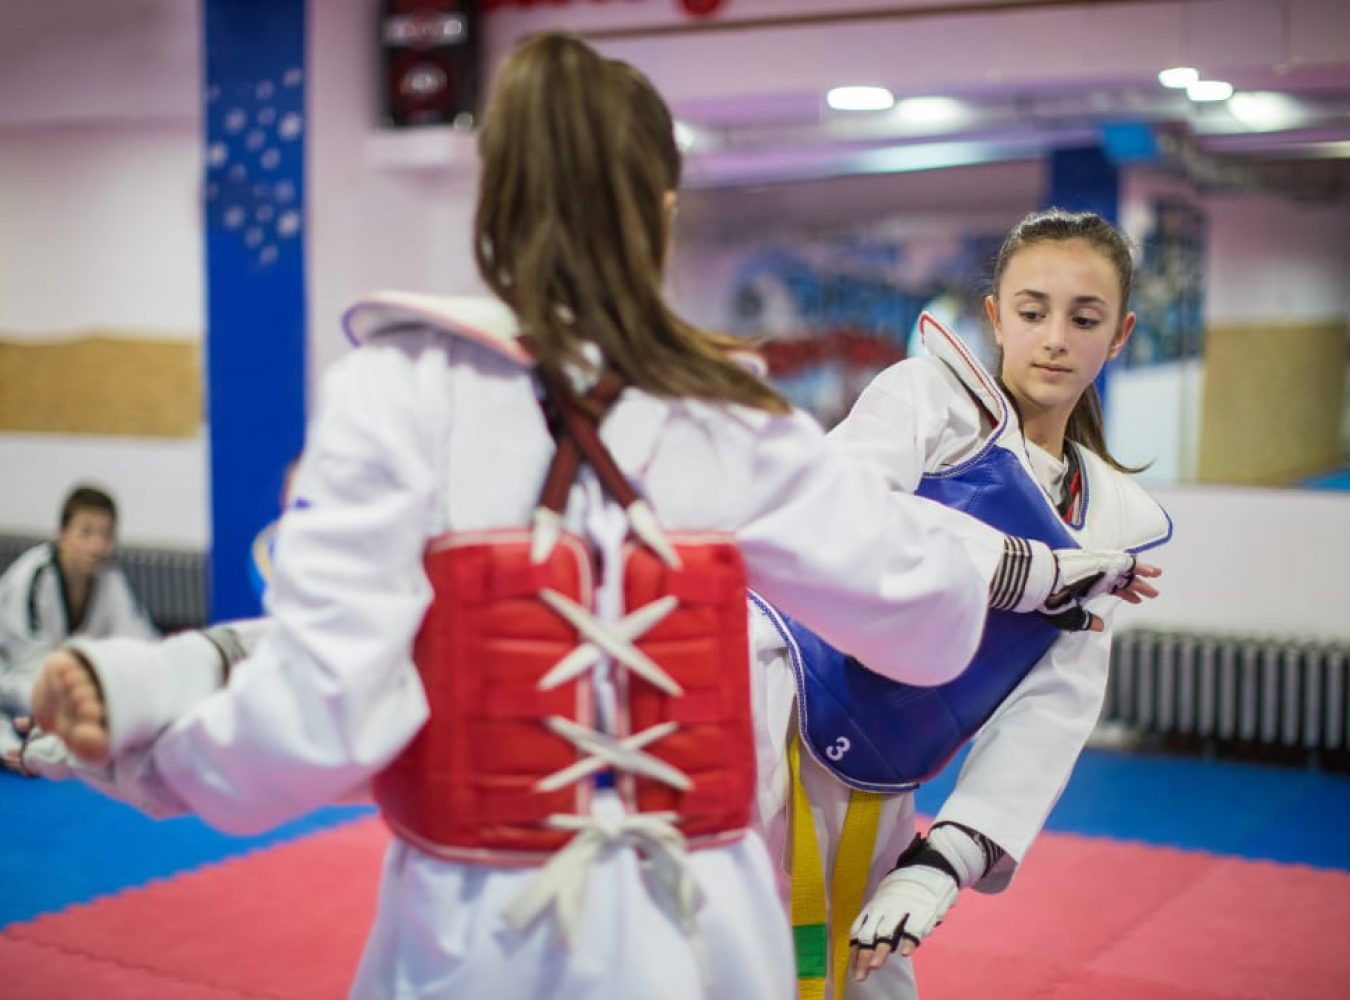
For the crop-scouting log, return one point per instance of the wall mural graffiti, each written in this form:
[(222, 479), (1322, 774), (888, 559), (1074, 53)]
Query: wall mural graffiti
[(1169, 287), (833, 314)]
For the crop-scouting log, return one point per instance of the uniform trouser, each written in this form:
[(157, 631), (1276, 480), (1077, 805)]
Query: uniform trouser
[(440, 933)]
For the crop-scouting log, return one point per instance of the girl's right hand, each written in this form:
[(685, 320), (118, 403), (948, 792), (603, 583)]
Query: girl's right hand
[(68, 703), (1082, 575)]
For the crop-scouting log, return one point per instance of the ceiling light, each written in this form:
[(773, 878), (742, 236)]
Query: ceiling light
[(685, 137), (1209, 90), (930, 110), (1265, 111), (1179, 77), (859, 99)]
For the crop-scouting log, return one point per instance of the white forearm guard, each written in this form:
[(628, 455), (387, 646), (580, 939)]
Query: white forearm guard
[(1056, 583), (147, 684)]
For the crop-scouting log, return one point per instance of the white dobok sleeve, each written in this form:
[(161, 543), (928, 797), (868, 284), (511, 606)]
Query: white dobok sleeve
[(900, 582), (1021, 759), (331, 694), (146, 685), (908, 594), (911, 419)]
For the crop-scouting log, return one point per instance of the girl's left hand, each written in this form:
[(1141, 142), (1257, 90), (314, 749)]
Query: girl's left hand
[(1139, 589)]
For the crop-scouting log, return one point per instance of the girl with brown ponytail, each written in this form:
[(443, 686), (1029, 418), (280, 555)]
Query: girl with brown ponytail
[(1023, 450), (510, 593)]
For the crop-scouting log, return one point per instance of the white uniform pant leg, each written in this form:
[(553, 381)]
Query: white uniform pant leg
[(439, 934)]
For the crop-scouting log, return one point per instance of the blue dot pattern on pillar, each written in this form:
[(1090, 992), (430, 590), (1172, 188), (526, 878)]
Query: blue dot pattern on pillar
[(253, 211)]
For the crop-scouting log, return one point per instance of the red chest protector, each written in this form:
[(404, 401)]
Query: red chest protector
[(505, 655)]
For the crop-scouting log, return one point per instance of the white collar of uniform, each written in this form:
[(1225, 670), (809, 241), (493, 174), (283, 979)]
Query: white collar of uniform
[(1048, 469), (484, 320)]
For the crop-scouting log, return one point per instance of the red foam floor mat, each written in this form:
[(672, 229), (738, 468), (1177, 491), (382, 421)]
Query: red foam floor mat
[(286, 922), (1086, 919), (1101, 920)]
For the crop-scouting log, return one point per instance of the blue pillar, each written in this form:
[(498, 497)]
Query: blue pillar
[(1085, 180), (254, 93)]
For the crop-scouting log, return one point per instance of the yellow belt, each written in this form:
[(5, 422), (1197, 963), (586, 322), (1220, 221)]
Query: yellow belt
[(821, 921)]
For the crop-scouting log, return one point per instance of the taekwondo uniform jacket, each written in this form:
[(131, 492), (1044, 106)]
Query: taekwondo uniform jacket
[(431, 429)]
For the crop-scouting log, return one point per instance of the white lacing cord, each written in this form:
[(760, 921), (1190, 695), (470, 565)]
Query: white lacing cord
[(603, 750), (562, 881), (615, 638), (548, 529)]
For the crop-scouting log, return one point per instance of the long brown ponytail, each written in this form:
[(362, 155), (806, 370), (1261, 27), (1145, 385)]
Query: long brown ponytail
[(572, 225)]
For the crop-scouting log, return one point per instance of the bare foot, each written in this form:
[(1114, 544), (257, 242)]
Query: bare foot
[(67, 701)]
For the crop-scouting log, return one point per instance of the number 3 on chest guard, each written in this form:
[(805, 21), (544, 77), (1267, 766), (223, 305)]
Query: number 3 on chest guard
[(840, 747)]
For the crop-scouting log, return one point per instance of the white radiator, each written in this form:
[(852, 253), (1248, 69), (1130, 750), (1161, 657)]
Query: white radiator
[(170, 583), (1276, 692)]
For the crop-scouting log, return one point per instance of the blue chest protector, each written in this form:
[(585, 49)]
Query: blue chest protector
[(880, 735)]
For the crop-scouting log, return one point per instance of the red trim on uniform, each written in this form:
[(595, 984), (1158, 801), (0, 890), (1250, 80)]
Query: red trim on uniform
[(928, 319)]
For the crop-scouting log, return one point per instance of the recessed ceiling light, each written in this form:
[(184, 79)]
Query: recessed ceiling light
[(1209, 90), (1179, 77), (860, 99)]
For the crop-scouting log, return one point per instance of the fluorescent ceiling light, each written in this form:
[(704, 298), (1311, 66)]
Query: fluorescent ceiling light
[(930, 110), (1265, 111), (685, 137), (1209, 90), (1331, 150), (860, 99), (1179, 77)]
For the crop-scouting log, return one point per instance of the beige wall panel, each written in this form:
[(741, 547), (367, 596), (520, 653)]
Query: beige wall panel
[(102, 383), (1273, 400)]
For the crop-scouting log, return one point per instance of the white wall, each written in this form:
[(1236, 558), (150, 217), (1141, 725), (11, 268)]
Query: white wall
[(387, 208), (1252, 561), (1272, 258), (102, 228), (64, 61), (160, 485), (99, 172)]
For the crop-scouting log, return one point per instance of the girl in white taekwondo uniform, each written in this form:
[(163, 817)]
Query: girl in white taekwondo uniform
[(511, 593), (1025, 453)]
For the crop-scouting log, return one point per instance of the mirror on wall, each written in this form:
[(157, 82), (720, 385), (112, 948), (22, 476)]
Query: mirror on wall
[(1237, 370)]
